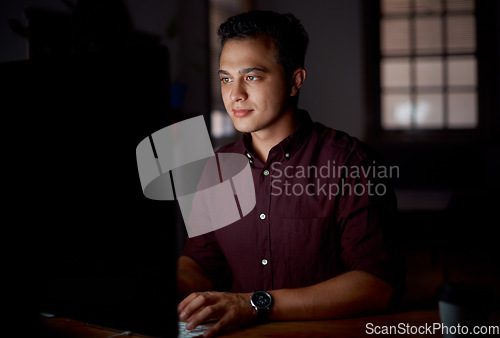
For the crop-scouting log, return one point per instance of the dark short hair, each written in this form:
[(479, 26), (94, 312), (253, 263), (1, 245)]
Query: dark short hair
[(289, 36)]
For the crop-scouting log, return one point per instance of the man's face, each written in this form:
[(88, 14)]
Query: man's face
[(253, 84)]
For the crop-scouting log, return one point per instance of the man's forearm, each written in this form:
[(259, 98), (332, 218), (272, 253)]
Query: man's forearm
[(190, 277), (354, 293)]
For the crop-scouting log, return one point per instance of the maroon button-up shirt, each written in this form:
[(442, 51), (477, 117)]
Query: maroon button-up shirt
[(324, 207)]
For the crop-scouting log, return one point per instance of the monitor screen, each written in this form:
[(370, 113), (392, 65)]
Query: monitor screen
[(103, 253)]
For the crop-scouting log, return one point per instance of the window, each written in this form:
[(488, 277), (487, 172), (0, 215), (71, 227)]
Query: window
[(429, 58), (428, 64)]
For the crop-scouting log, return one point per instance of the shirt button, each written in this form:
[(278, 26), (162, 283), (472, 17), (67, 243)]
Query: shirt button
[(266, 172), (264, 261), (262, 216), (248, 155), (287, 155)]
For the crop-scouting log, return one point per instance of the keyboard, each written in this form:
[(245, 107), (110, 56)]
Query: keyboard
[(196, 332)]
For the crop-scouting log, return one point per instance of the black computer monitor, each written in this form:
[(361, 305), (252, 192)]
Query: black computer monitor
[(103, 253)]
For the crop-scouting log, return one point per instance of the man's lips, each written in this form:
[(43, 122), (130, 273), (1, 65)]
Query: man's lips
[(241, 112)]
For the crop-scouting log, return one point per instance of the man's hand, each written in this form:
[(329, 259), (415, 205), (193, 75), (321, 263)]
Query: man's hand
[(230, 309)]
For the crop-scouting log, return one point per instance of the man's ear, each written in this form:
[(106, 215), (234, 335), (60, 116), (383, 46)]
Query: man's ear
[(298, 78)]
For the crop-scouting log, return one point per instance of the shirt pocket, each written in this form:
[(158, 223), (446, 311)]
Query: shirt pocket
[(309, 247)]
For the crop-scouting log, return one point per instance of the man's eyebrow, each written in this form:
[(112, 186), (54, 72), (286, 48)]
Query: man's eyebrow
[(251, 69), (243, 71)]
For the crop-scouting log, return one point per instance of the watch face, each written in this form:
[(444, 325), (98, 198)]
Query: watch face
[(261, 299)]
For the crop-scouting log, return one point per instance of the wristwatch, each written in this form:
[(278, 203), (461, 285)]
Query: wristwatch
[(262, 302)]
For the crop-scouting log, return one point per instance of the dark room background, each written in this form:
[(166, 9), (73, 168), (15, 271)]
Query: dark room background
[(448, 189)]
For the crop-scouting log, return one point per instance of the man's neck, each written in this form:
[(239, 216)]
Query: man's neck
[(265, 139)]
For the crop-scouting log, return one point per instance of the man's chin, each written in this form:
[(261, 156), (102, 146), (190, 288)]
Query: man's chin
[(243, 127), (244, 130)]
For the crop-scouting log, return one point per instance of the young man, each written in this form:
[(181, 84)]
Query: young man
[(319, 244)]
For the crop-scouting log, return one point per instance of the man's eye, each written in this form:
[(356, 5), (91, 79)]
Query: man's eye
[(252, 78), (225, 80)]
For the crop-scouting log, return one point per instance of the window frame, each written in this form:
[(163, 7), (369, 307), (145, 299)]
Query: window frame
[(486, 85)]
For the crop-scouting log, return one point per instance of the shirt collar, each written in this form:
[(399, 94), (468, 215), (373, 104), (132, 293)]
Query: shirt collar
[(290, 144)]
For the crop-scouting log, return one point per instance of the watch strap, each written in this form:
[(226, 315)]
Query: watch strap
[(262, 315)]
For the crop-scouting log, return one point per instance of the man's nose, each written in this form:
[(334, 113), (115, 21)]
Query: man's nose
[(238, 92)]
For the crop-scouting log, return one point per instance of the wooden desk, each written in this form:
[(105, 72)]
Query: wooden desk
[(344, 328), (351, 327)]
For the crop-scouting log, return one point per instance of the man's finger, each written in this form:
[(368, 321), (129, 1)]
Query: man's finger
[(208, 312), (217, 327), (185, 302), (200, 300)]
